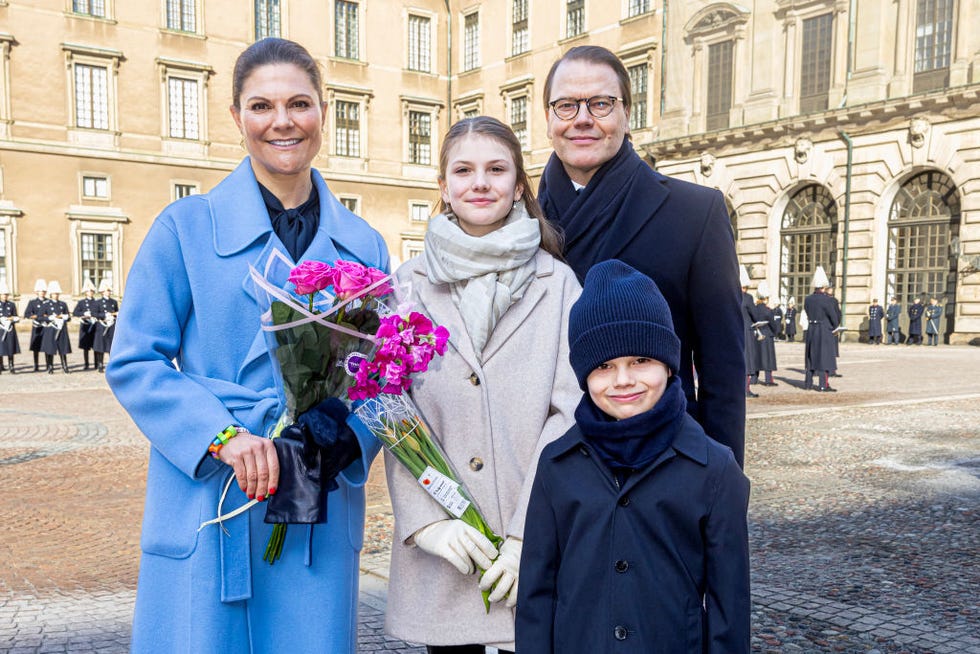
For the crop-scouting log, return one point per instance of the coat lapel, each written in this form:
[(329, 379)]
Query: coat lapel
[(518, 312), (638, 210)]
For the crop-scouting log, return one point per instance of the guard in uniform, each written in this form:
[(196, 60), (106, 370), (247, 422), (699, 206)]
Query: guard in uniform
[(915, 312), (9, 343), (33, 313), (933, 313), (875, 314), (892, 315), (777, 314), (790, 319), (54, 340), (820, 354), (87, 311), (750, 342), (764, 324), (108, 308)]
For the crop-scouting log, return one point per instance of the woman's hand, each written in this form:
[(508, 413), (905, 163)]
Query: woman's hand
[(255, 463)]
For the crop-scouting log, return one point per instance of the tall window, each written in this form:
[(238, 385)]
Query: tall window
[(89, 7), (91, 96), (348, 128), (520, 41), (419, 47), (3, 259), (637, 7), (640, 86), (419, 212), (345, 39), (471, 41), (183, 106), (267, 19), (574, 17), (923, 226), (818, 40), (97, 257), (419, 137), (809, 237), (181, 15), (719, 84), (933, 42), (95, 187), (518, 119)]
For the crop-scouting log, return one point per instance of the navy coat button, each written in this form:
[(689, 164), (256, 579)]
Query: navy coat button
[(619, 633), (622, 566), (474, 379), (624, 501), (476, 464)]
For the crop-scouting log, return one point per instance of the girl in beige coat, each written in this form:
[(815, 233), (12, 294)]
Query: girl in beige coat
[(503, 390)]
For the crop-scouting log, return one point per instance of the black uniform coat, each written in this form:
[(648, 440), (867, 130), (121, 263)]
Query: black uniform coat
[(751, 343), (790, 321), (777, 316), (875, 313), (822, 314), (108, 308), (765, 350), (915, 319), (9, 343), (87, 324), (893, 313), (33, 313), (53, 339), (679, 234), (659, 565)]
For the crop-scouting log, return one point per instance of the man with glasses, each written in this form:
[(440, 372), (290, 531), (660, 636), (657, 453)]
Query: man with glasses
[(612, 205)]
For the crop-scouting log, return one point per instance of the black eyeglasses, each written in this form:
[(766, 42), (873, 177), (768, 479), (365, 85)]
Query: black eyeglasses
[(599, 106)]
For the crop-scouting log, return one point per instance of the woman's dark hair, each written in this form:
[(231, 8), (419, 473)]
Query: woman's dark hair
[(593, 54), (493, 128), (274, 51)]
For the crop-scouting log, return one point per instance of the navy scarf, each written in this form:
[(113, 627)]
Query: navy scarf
[(586, 217), (631, 444), (295, 227)]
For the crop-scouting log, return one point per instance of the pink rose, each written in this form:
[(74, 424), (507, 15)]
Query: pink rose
[(351, 278), (311, 276)]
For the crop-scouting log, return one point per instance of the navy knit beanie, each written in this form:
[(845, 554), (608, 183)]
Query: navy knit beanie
[(621, 312)]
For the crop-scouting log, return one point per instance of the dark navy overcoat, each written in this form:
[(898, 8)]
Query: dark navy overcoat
[(875, 313), (915, 312), (822, 313), (87, 323), (765, 350), (9, 343), (658, 565), (893, 313)]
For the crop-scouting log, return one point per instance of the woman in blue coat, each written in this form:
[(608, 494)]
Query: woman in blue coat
[(190, 360)]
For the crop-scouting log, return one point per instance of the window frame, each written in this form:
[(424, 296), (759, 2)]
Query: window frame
[(353, 45), (520, 88), (81, 55), (431, 108), (95, 177), (470, 51), (108, 221), (426, 208), (194, 187), (354, 95), (581, 21), (711, 26), (81, 13), (523, 25), (425, 51), (196, 12), (279, 11), (187, 71)]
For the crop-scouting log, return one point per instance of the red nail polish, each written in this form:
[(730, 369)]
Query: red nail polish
[(260, 498), (272, 491), (251, 496)]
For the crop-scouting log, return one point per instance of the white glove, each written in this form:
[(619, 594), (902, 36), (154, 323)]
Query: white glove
[(504, 573), (458, 543)]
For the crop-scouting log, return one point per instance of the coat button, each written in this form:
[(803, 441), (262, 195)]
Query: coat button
[(476, 464), (622, 566), (619, 633), (624, 501), (474, 379)]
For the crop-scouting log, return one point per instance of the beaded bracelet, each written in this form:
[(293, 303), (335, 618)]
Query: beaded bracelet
[(223, 437)]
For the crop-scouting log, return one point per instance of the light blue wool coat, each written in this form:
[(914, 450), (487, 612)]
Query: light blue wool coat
[(190, 301)]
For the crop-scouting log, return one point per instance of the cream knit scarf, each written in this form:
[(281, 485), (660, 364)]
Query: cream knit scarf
[(486, 274)]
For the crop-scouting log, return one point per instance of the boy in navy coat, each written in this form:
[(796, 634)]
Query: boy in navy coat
[(636, 537)]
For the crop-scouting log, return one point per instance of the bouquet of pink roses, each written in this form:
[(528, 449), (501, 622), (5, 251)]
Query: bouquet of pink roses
[(405, 346), (314, 342)]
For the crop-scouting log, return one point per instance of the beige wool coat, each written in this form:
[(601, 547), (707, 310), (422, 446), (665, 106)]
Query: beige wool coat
[(492, 419)]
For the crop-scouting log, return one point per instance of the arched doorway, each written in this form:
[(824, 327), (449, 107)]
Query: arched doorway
[(923, 229), (808, 238)]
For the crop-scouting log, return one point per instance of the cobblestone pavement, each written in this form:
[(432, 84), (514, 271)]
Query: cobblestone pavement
[(864, 518)]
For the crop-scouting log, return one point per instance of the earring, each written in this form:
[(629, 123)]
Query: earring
[(241, 144)]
